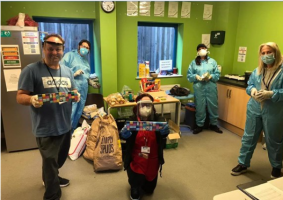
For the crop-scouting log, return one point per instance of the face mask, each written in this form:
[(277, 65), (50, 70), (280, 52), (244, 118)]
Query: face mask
[(83, 51), (145, 111), (202, 52), (268, 59)]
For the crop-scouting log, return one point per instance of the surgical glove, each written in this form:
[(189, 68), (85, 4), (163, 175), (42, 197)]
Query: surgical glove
[(34, 101), (254, 95), (264, 94), (125, 133), (78, 72), (207, 78), (198, 78), (253, 92), (165, 130)]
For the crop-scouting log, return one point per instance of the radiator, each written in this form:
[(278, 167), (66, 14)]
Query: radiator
[(167, 108)]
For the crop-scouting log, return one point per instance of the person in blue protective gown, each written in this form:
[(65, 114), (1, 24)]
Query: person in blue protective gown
[(77, 61), (264, 110), (203, 73)]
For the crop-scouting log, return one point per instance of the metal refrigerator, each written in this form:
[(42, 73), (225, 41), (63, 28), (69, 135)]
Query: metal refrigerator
[(19, 47)]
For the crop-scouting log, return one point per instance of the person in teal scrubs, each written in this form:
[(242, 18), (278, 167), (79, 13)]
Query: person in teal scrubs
[(203, 73), (264, 110), (77, 61)]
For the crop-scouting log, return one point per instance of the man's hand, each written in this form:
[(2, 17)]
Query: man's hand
[(34, 101), (79, 97), (78, 72), (125, 133), (198, 78)]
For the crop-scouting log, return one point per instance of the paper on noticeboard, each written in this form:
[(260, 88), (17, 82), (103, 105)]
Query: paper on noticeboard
[(205, 39), (144, 8), (159, 8), (173, 9), (11, 79), (207, 12), (186, 10), (132, 8)]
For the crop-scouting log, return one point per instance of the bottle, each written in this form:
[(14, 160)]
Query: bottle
[(141, 70), (147, 68)]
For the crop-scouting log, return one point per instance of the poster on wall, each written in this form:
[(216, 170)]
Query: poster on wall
[(242, 54), (144, 8), (11, 79), (205, 39), (30, 42), (207, 12), (186, 10), (165, 65), (132, 8), (159, 8), (10, 56), (173, 9)]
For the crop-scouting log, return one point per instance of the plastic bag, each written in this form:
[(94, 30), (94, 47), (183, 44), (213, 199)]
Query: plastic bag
[(115, 98)]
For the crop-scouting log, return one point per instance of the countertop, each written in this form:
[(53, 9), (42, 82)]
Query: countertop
[(233, 82)]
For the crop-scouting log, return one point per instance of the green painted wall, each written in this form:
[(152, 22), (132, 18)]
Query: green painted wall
[(246, 24), (258, 22), (226, 19), (60, 9)]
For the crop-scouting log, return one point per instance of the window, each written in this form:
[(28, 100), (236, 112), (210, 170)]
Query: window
[(157, 42), (72, 31)]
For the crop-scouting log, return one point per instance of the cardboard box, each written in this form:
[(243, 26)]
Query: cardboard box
[(174, 135)]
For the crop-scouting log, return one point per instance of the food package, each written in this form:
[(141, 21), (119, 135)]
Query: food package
[(114, 99)]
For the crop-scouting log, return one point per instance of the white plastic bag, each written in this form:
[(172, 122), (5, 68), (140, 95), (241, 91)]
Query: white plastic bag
[(78, 141)]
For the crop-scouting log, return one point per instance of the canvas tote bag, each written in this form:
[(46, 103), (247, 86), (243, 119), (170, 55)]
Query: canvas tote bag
[(107, 152), (91, 139)]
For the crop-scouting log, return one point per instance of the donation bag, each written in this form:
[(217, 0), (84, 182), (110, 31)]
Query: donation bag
[(107, 153)]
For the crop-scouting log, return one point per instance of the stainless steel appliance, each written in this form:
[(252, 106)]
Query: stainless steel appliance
[(19, 47)]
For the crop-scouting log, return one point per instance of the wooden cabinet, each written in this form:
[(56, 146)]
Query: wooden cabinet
[(232, 104)]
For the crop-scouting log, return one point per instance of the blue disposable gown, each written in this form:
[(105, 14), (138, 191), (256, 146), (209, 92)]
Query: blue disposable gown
[(74, 61), (267, 117), (205, 92)]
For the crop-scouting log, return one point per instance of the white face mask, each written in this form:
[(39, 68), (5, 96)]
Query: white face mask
[(145, 108), (202, 52), (145, 111)]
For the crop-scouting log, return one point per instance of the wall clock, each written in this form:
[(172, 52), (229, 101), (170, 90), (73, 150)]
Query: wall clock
[(108, 6)]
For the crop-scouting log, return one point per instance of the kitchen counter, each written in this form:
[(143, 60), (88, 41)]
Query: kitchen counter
[(233, 82)]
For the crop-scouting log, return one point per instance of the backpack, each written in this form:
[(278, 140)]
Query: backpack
[(106, 146), (179, 91)]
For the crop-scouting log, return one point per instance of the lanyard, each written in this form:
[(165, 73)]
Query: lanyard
[(267, 85), (53, 77)]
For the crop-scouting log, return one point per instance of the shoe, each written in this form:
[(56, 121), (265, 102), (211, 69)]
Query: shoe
[(197, 130), (215, 128), (239, 169), (63, 182), (276, 173), (135, 194)]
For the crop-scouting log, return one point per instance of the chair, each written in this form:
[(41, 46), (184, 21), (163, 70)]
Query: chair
[(92, 98)]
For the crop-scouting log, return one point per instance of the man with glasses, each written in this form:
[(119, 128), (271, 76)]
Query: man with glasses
[(51, 122), (77, 61)]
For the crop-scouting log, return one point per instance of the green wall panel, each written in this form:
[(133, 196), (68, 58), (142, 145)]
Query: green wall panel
[(60, 9), (258, 22)]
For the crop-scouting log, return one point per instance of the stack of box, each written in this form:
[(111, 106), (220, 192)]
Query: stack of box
[(174, 135)]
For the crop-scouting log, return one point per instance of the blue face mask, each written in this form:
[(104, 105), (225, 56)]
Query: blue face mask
[(268, 59), (83, 51)]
